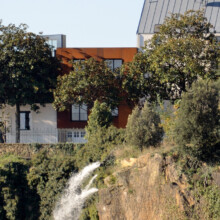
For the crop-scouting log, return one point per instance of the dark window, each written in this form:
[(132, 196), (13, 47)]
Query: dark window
[(24, 120), (79, 113), (113, 64)]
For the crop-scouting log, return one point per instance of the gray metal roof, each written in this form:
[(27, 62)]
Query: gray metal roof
[(155, 11)]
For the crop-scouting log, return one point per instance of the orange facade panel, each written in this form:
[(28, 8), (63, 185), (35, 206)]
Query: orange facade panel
[(68, 54)]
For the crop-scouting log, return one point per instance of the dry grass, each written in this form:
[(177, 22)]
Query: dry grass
[(126, 151)]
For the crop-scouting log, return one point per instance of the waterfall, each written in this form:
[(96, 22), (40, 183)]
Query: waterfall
[(73, 197)]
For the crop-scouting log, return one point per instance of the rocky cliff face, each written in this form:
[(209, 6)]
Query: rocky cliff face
[(149, 187)]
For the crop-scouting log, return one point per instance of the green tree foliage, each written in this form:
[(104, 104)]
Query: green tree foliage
[(100, 133), (143, 128), (100, 116), (137, 82), (184, 50), (197, 126), (28, 70), (90, 80), (48, 176), (17, 200)]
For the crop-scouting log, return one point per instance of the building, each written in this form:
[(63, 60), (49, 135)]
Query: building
[(49, 126), (56, 41), (154, 13), (71, 123)]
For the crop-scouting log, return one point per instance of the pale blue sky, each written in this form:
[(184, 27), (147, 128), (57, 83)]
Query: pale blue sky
[(86, 23)]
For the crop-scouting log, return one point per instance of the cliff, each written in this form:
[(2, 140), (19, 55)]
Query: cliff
[(150, 187)]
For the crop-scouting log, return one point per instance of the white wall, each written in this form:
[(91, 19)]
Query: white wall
[(141, 38), (43, 125)]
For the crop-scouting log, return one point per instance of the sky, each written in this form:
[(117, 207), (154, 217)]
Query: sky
[(86, 23)]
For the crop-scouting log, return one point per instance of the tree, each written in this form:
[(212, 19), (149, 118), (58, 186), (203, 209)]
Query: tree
[(100, 116), (143, 128), (90, 80), (137, 82), (197, 126), (101, 134), (184, 50), (27, 69)]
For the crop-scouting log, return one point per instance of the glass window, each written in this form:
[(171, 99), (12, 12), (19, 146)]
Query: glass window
[(53, 44), (24, 120), (117, 63), (157, 28), (83, 133), (77, 61), (79, 112), (115, 112), (113, 64), (69, 136), (76, 134)]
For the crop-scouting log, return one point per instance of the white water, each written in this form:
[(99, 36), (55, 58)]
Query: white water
[(73, 197)]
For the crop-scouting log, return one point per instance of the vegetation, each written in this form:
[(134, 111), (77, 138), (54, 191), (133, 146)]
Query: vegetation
[(90, 80), (182, 51), (28, 70), (143, 128), (137, 82), (100, 117), (101, 135), (197, 126), (47, 177)]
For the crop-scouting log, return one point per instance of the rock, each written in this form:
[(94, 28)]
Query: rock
[(128, 162), (142, 193)]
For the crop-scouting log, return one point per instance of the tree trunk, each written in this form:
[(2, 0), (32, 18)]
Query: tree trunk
[(17, 122)]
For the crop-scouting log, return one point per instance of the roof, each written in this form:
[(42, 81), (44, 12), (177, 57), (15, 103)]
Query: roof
[(155, 11)]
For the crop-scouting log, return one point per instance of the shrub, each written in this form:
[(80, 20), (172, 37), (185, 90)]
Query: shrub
[(17, 200), (100, 117), (48, 176), (197, 125), (101, 135), (143, 128)]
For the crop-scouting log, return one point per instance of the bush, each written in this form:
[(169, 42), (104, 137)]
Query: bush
[(17, 200), (101, 135), (197, 124), (100, 117), (143, 128), (48, 176)]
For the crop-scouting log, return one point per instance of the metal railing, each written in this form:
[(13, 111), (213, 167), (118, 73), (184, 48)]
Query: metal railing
[(47, 135)]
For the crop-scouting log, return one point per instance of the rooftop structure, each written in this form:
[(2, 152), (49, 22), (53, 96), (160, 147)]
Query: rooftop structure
[(154, 13)]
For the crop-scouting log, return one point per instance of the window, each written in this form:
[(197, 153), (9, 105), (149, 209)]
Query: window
[(83, 133), (115, 112), (79, 113), (24, 120), (69, 136), (157, 28), (76, 134), (113, 64), (53, 44), (78, 60)]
